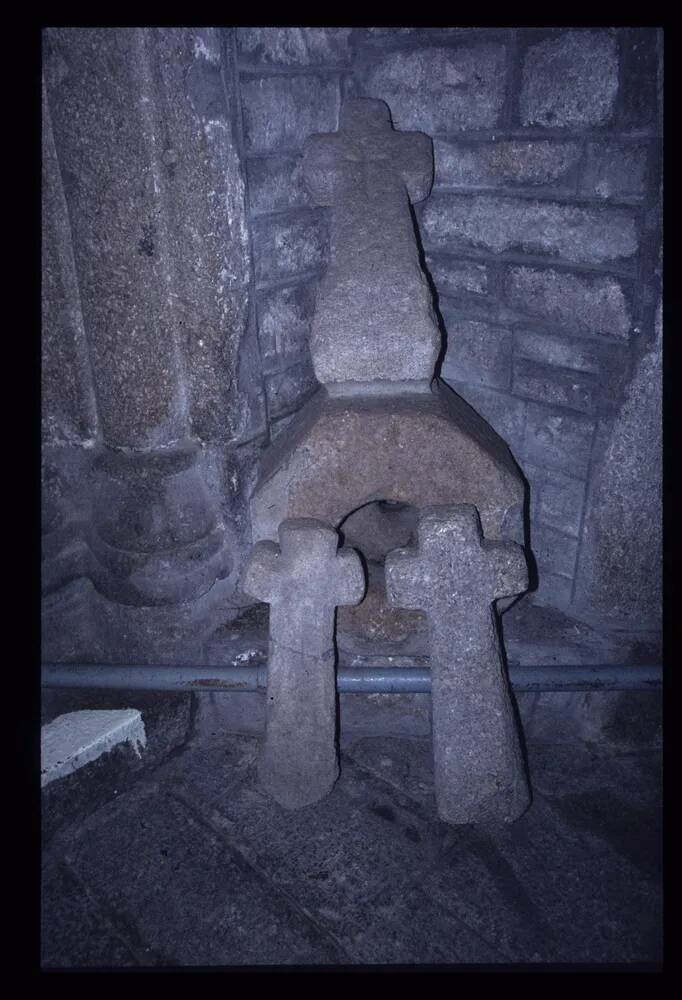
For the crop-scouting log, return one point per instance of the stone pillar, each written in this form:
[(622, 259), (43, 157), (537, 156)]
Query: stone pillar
[(70, 428), (149, 172), (455, 576), (303, 580)]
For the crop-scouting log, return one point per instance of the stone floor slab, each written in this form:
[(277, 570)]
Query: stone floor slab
[(332, 857), (196, 865), (405, 764), (411, 928), (74, 931), (607, 912), (189, 897), (540, 892)]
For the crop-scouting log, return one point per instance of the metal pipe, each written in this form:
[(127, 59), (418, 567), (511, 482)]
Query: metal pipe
[(378, 680)]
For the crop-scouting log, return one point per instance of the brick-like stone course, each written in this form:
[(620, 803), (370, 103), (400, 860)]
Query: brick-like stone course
[(477, 352), (456, 277), (288, 245), (551, 349), (284, 317), (577, 233), (587, 304), (570, 80), (558, 439), (276, 184), (506, 163), (615, 170), (293, 46), (439, 89), (556, 500), (280, 112), (573, 390)]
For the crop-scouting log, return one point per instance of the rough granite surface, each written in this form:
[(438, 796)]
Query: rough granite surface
[(341, 453), (373, 318), (620, 574), (303, 580), (150, 370), (455, 576)]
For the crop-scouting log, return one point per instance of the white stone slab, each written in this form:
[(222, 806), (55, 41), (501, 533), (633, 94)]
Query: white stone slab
[(70, 741)]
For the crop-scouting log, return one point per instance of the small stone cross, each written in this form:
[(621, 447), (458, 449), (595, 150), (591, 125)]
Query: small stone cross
[(367, 151), (374, 319), (303, 579), (454, 577)]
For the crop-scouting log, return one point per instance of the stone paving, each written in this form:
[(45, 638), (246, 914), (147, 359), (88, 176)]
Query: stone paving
[(194, 865)]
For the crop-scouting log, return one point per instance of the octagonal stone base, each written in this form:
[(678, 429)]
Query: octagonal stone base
[(340, 453)]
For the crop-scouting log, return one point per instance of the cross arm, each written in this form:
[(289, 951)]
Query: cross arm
[(350, 578), (508, 566), (261, 571), (404, 579)]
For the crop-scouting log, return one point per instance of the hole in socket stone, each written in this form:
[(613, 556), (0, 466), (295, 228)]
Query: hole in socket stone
[(374, 530)]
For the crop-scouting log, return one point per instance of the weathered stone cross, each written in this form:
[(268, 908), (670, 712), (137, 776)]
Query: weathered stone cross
[(454, 577), (303, 580), (374, 320)]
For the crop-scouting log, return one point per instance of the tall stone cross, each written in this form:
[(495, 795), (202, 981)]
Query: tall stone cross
[(374, 320), (303, 579), (454, 577)]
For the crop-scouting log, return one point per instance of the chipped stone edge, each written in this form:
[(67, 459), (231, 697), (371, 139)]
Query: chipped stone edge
[(73, 740)]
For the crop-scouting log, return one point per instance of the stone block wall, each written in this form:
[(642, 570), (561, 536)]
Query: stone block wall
[(291, 84), (542, 240), (181, 255)]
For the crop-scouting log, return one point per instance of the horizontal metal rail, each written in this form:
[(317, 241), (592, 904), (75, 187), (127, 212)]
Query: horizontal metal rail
[(376, 680)]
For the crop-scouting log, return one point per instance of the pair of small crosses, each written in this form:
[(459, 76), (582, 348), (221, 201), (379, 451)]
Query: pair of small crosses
[(454, 576)]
